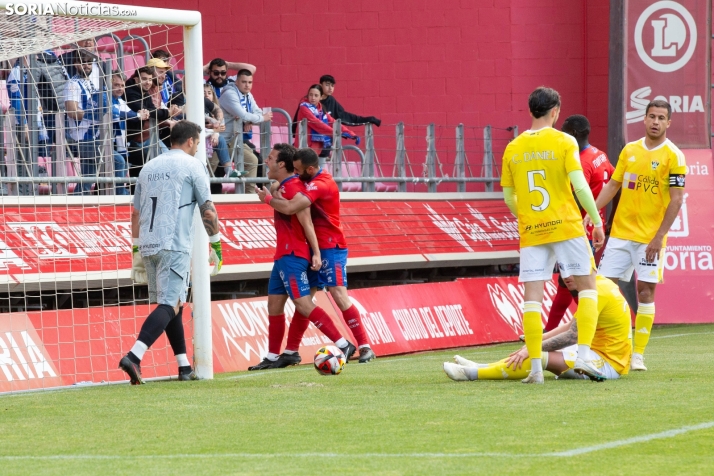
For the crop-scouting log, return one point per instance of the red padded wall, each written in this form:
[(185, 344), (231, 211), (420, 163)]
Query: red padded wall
[(419, 61)]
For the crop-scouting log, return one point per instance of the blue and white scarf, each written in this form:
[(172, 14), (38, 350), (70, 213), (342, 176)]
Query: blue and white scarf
[(322, 116), (247, 105)]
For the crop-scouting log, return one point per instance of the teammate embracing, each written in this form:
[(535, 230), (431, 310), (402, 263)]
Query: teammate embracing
[(289, 277), (323, 198), (652, 171), (539, 167)]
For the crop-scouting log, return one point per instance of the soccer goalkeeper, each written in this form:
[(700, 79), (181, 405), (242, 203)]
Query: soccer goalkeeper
[(610, 351), (168, 189)]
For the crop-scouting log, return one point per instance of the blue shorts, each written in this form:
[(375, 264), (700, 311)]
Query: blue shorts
[(334, 267), (289, 276)]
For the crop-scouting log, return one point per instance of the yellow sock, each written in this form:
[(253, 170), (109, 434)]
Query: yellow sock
[(499, 371), (587, 316), (533, 328), (643, 326)]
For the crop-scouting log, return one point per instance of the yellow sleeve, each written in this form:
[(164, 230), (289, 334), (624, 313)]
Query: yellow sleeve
[(506, 175), (509, 196), (619, 173), (677, 164), (572, 155)]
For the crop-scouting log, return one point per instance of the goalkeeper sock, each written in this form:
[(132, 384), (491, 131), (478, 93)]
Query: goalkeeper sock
[(297, 329), (643, 326), (533, 328), (137, 352), (182, 361), (323, 322), (175, 335), (155, 324), (586, 316), (354, 322), (276, 332)]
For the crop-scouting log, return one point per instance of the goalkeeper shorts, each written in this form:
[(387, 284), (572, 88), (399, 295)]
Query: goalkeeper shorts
[(168, 275)]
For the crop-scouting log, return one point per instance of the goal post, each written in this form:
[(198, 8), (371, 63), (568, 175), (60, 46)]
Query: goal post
[(31, 27)]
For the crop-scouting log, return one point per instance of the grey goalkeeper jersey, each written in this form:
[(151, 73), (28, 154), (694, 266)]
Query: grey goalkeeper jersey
[(166, 194)]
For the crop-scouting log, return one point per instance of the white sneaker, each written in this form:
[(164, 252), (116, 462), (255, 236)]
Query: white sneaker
[(637, 362), (468, 363), (534, 377), (585, 367), (456, 372)]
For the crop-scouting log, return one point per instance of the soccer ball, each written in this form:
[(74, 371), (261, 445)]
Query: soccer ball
[(329, 360)]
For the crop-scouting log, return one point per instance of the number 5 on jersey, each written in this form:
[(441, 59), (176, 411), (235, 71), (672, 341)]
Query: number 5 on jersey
[(532, 187)]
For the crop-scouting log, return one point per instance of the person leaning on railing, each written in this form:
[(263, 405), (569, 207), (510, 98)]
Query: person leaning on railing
[(238, 103), (319, 123), (216, 148)]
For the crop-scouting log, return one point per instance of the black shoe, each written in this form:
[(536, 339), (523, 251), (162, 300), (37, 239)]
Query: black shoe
[(286, 360), (187, 374), (365, 355), (264, 364), (132, 369), (349, 350)]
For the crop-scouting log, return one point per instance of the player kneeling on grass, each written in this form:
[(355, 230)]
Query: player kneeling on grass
[(168, 189), (610, 351)]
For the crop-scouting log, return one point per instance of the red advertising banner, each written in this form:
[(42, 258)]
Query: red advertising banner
[(668, 54), (686, 295), (42, 242)]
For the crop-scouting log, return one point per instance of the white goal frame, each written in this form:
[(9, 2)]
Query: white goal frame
[(193, 90)]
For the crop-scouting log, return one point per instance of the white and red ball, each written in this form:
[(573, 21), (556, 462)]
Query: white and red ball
[(329, 360)]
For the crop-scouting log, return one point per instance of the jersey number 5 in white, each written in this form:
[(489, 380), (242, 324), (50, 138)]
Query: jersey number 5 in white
[(532, 187)]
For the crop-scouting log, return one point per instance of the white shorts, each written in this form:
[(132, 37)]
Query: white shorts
[(570, 353), (621, 257), (574, 258)]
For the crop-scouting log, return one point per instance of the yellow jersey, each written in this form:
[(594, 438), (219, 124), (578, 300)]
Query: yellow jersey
[(646, 176), (613, 334), (536, 164)]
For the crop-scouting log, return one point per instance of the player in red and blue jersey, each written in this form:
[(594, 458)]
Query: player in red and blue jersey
[(597, 170), (322, 196), (289, 277)]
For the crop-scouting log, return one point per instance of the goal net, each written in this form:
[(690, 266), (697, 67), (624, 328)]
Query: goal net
[(88, 95)]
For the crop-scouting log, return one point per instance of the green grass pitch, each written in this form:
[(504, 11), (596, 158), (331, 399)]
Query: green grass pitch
[(398, 415)]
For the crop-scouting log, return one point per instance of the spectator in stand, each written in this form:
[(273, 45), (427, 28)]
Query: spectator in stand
[(319, 123), (120, 114), (143, 94), (217, 71), (162, 97), (216, 148), (51, 82), (69, 59), (171, 89), (82, 102), (335, 109), (238, 103)]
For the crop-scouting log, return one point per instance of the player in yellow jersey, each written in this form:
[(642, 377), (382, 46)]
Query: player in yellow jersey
[(651, 172), (610, 352), (539, 167)]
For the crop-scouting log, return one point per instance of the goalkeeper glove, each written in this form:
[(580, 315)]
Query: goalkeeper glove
[(138, 271), (216, 257)]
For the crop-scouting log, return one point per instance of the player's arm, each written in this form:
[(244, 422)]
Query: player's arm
[(609, 190), (556, 339), (286, 207), (509, 196), (138, 270), (305, 220), (676, 196), (209, 216), (586, 200)]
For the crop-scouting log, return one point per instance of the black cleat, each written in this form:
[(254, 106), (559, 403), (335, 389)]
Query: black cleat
[(188, 374), (132, 369), (286, 360), (349, 350), (266, 363), (365, 355)]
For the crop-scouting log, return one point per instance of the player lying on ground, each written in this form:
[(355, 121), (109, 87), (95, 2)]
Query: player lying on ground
[(653, 172), (539, 167), (168, 189), (291, 270), (322, 196), (610, 351)]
